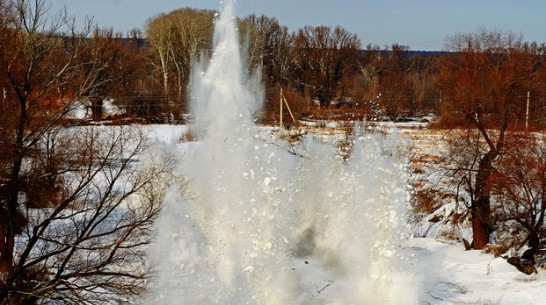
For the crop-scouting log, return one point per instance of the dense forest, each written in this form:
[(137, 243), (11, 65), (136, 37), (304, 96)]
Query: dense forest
[(326, 71), (321, 71)]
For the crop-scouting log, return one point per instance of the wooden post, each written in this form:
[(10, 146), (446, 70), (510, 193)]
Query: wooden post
[(289, 110)]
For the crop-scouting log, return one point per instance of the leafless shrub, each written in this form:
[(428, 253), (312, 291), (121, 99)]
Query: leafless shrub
[(88, 246)]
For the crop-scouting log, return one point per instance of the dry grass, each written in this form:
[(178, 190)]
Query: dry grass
[(425, 201), (497, 249), (189, 136)]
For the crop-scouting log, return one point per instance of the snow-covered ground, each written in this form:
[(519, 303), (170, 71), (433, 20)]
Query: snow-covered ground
[(455, 276), (448, 274)]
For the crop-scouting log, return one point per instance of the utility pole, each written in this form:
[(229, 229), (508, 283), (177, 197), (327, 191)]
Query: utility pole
[(527, 112), (289, 110), (283, 99), (280, 109)]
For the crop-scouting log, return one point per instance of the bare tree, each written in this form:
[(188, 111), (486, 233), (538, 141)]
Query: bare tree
[(177, 38), (75, 209), (270, 51), (396, 93), (109, 62), (82, 233), (35, 72), (520, 186), (482, 83), (192, 37), (322, 57), (158, 34)]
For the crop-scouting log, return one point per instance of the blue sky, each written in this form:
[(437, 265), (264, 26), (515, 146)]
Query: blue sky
[(419, 24)]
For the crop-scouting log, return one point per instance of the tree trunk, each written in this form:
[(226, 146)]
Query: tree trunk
[(12, 222), (7, 244), (481, 205), (5, 262), (96, 108), (164, 73), (534, 240), (481, 222)]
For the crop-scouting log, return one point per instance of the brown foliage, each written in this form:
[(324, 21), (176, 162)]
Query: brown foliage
[(75, 213), (481, 82), (425, 201), (520, 185)]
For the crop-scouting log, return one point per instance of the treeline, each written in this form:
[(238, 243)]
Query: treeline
[(317, 68), (320, 70)]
